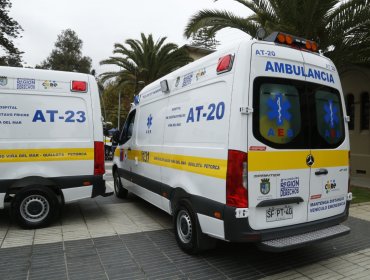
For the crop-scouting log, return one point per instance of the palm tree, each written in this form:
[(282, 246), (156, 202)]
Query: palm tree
[(342, 28), (142, 62)]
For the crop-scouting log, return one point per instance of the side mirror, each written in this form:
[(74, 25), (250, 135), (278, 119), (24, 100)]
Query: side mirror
[(116, 135)]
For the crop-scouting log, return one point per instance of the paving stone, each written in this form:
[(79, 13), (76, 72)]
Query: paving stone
[(109, 238)]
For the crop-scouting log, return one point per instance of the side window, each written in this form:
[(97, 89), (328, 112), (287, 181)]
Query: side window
[(278, 118), (329, 117), (350, 105), (365, 111), (128, 127)]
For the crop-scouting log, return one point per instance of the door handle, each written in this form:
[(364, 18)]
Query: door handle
[(280, 201), (321, 171)]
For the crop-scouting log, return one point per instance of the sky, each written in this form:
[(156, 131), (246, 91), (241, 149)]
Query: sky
[(100, 24)]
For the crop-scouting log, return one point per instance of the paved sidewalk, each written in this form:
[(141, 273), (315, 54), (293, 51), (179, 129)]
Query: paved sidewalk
[(109, 238), (355, 265), (90, 218)]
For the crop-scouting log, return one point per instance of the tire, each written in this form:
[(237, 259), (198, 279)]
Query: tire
[(35, 207), (119, 190), (188, 233)]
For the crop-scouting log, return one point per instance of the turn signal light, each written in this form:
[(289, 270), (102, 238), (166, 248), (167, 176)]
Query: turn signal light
[(217, 214)]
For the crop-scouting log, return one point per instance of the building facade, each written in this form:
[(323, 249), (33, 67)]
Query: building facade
[(356, 89)]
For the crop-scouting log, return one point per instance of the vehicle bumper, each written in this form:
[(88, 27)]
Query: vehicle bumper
[(239, 230)]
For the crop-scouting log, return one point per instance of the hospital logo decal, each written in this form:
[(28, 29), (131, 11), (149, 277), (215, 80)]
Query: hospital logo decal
[(289, 186), (26, 83), (49, 84), (3, 81), (149, 124), (265, 186), (330, 186)]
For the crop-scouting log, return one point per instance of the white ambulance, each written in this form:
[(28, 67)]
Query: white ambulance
[(248, 144), (51, 142)]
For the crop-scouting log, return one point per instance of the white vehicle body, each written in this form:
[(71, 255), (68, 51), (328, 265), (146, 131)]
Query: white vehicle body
[(51, 138), (272, 122)]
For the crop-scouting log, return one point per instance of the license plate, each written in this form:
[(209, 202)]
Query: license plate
[(279, 213)]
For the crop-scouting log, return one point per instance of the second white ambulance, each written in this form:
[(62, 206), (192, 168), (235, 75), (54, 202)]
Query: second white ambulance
[(248, 144), (51, 142)]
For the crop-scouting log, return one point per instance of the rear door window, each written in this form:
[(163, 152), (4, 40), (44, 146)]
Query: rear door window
[(291, 114), (328, 118), (278, 120)]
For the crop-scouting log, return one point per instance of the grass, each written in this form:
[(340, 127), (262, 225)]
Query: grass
[(360, 194)]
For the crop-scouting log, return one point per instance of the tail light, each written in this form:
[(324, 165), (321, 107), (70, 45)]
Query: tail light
[(237, 179), (99, 168), (78, 86), (225, 64)]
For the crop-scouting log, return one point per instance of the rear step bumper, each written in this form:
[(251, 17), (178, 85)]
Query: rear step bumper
[(300, 240)]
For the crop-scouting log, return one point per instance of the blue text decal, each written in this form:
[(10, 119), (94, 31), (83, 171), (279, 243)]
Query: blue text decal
[(296, 70)]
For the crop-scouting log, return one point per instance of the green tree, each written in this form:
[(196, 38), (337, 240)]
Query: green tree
[(205, 39), (9, 29), (13, 60), (342, 28), (109, 101), (142, 62), (67, 55)]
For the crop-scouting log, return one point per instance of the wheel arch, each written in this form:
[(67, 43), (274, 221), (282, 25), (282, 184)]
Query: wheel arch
[(178, 196), (33, 181)]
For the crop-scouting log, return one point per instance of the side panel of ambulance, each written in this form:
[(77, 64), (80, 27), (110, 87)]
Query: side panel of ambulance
[(176, 154), (51, 145)]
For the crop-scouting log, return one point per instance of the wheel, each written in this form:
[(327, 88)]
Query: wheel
[(188, 234), (119, 190), (35, 207)]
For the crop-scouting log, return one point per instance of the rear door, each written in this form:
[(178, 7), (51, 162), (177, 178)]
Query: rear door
[(329, 146), (278, 177)]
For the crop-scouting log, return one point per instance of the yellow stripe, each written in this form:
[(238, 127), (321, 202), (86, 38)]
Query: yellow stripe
[(205, 166), (33, 155), (264, 161), (116, 152), (330, 158), (257, 161)]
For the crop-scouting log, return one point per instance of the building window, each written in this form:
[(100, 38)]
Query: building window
[(351, 110), (365, 111)]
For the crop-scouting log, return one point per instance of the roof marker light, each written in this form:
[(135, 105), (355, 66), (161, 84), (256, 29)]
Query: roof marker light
[(292, 41), (225, 64), (78, 86)]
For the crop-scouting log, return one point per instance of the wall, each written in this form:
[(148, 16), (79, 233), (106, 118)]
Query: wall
[(356, 80)]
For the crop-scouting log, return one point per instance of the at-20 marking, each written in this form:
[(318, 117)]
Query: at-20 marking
[(265, 53), (214, 112)]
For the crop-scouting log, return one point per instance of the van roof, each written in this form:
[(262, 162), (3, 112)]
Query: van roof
[(41, 74), (196, 64)]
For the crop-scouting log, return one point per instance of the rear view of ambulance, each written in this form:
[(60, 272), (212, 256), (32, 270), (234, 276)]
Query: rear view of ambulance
[(248, 144), (51, 142)]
